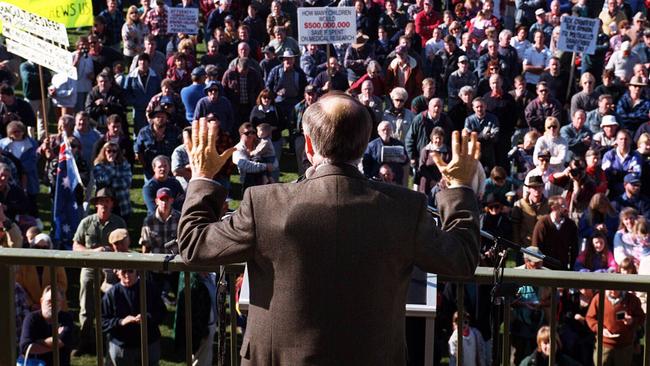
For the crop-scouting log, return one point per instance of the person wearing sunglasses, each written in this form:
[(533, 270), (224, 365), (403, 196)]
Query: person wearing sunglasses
[(553, 142), (543, 106)]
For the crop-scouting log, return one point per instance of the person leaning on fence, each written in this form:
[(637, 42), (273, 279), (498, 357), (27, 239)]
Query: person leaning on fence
[(121, 320), (622, 317)]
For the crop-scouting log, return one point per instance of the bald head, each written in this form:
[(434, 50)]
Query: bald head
[(339, 127)]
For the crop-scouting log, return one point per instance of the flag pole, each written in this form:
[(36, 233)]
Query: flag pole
[(43, 96)]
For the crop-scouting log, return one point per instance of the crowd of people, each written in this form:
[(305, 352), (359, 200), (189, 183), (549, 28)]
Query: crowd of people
[(563, 160)]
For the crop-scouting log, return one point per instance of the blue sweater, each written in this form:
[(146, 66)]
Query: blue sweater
[(190, 96)]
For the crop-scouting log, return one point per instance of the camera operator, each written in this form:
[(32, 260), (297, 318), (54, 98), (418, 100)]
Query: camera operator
[(578, 187)]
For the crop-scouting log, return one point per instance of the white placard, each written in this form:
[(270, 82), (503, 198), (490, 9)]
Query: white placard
[(578, 34), (44, 54), (327, 25), (183, 20), (18, 18)]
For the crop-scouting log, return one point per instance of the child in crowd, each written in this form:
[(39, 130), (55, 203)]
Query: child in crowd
[(595, 257), (474, 352), (264, 152)]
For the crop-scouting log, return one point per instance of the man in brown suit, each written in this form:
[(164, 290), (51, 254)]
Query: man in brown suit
[(330, 257)]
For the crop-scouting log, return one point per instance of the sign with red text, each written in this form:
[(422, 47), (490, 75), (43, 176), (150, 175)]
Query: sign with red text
[(327, 25)]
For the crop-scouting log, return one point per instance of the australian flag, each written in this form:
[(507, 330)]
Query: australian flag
[(66, 210)]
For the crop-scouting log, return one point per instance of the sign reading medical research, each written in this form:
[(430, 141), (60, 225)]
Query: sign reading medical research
[(183, 20), (326, 25), (37, 39), (578, 34)]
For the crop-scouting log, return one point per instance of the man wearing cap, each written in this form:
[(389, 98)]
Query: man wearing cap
[(605, 107), (633, 108), (92, 235), (541, 24), (333, 78), (139, 87), (281, 42), (287, 82), (120, 242), (191, 94), (358, 56), (606, 138), (270, 61), (160, 227), (217, 105), (632, 197), (610, 15), (404, 72), (458, 79), (157, 138), (241, 85), (527, 210), (623, 61)]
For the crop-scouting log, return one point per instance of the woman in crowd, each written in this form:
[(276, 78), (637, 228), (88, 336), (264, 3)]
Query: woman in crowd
[(599, 216), (113, 171), (179, 73), (250, 172), (595, 257), (23, 148), (625, 244), (133, 33), (265, 112), (399, 116)]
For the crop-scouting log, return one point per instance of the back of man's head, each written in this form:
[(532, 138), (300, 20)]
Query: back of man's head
[(339, 127)]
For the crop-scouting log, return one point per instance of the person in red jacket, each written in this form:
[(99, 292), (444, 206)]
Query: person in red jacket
[(621, 318), (426, 21)]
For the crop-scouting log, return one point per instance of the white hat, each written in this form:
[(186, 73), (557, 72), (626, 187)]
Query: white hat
[(625, 46), (540, 11), (530, 257), (608, 121)]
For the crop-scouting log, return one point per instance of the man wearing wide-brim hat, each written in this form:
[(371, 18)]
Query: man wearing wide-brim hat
[(357, 57), (606, 137), (527, 210), (287, 81), (633, 107), (92, 235)]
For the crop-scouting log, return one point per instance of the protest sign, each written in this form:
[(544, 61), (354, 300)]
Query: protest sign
[(183, 20), (71, 13), (578, 34), (326, 25), (15, 17), (31, 37)]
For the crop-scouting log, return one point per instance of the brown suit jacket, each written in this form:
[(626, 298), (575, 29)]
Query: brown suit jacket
[(329, 260)]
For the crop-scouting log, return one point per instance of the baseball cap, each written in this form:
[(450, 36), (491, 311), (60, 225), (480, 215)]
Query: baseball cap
[(269, 49), (212, 84), (463, 58), (198, 71), (626, 46), (117, 235), (164, 193), (540, 11), (310, 89), (632, 178)]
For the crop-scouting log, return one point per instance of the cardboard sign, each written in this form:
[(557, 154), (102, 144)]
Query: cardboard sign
[(17, 18), (578, 34), (183, 20), (326, 25)]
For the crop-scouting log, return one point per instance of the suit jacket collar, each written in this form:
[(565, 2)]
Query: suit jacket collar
[(337, 169)]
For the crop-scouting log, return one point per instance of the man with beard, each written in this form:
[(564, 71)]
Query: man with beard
[(334, 78)]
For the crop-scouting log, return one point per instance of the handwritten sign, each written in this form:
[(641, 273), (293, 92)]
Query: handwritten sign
[(578, 34), (183, 20), (326, 25)]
